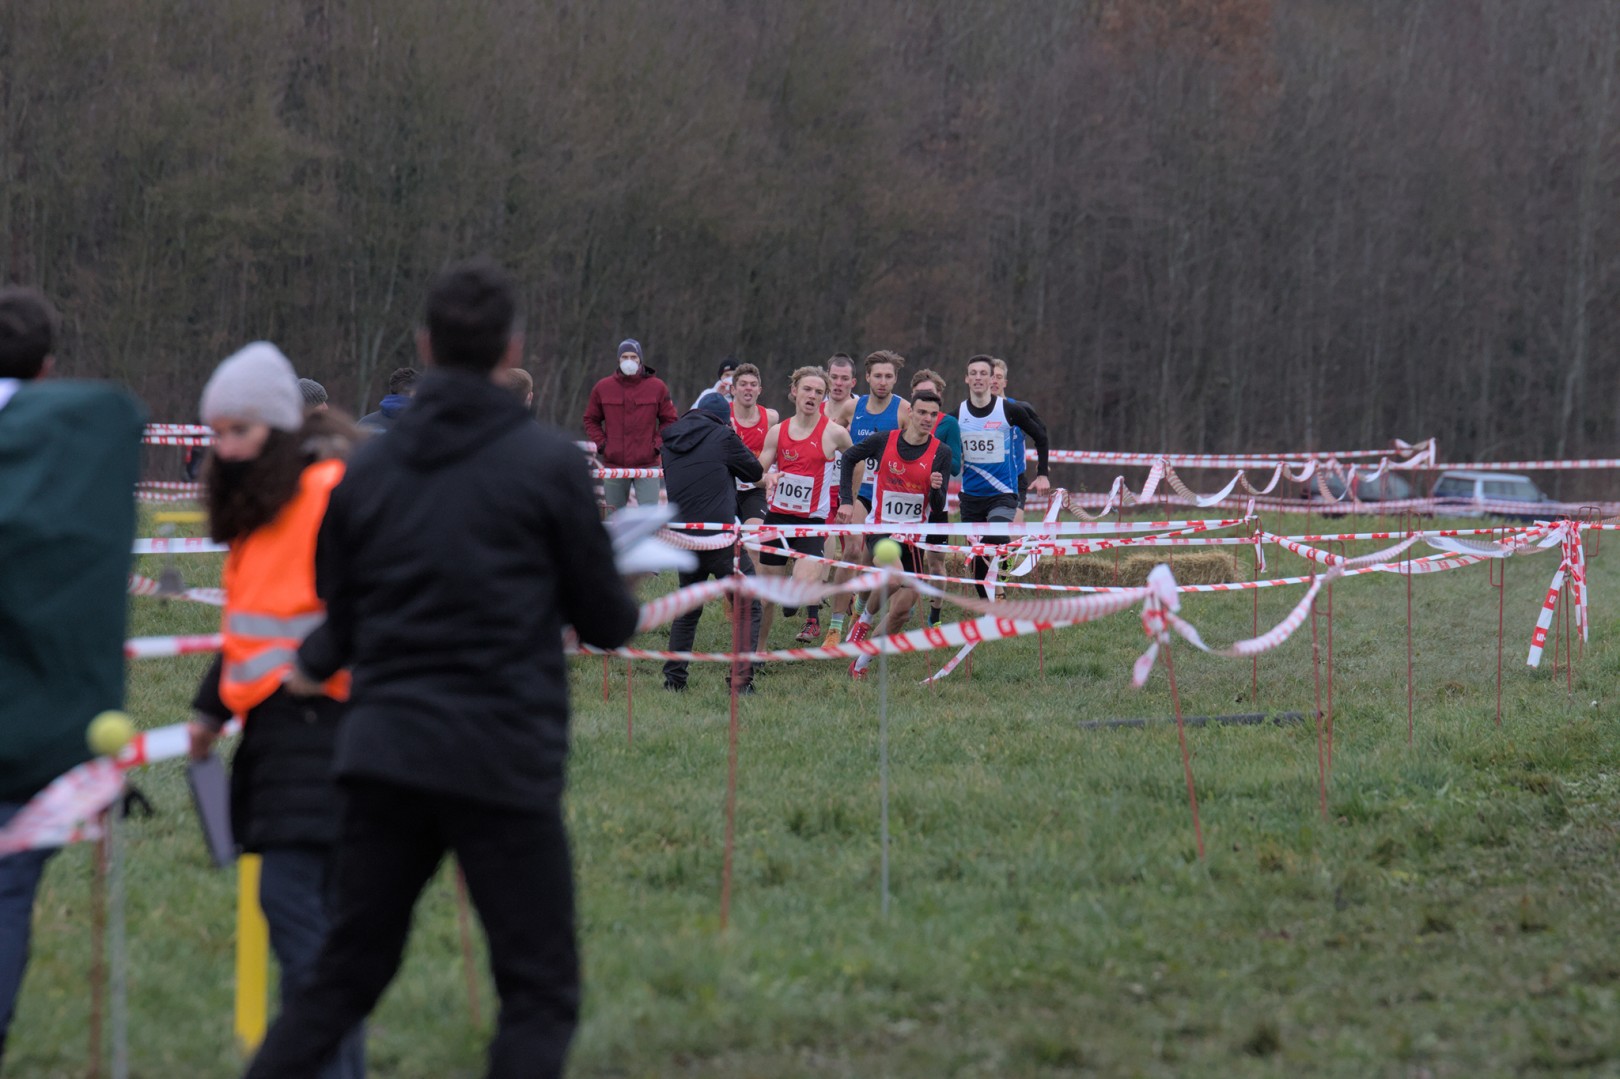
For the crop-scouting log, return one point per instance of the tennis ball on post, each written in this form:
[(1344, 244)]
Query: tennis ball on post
[(886, 552), (109, 732)]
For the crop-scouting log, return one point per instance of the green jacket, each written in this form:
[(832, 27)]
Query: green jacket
[(69, 460)]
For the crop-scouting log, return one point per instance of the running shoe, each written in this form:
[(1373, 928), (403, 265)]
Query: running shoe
[(830, 639), (811, 633), (857, 673), (861, 630)]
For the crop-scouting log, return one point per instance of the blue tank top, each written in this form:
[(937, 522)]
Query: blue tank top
[(866, 423), (988, 465)]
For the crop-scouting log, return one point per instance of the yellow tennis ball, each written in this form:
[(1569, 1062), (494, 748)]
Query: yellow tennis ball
[(110, 732), (886, 552)]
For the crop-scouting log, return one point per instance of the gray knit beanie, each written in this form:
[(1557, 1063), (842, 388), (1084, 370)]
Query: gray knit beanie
[(255, 384), (314, 393)]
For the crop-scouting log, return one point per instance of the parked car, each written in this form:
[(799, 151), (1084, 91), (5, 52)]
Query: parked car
[(1368, 488), (1476, 494)]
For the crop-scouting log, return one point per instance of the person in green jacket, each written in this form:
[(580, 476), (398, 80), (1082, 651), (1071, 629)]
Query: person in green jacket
[(69, 459)]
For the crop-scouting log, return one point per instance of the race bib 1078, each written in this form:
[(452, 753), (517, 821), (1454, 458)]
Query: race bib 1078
[(902, 507)]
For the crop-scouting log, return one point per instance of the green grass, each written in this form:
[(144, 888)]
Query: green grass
[(1455, 915)]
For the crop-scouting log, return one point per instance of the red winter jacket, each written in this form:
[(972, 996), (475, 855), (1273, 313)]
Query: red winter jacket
[(624, 416)]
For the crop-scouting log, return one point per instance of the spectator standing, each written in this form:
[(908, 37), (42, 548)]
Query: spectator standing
[(69, 457), (626, 411), (722, 384), (451, 557), (401, 388), (704, 461), (521, 385), (268, 480), (314, 395)]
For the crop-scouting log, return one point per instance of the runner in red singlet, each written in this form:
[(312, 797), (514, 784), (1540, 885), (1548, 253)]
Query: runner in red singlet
[(752, 423), (799, 457)]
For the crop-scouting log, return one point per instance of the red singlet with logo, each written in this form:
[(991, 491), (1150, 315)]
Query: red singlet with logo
[(804, 481), (753, 437), (900, 488)]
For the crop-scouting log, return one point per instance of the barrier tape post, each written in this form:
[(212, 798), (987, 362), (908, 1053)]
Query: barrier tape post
[(1406, 560), (1186, 756), (98, 940), (604, 679), (1316, 673), (1254, 663), (739, 598), (883, 602), (1497, 568), (117, 942), (629, 703), (1328, 719)]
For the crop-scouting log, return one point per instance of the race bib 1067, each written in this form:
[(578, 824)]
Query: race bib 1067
[(793, 493)]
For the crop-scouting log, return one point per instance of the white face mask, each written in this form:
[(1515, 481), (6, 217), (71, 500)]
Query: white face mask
[(629, 367)]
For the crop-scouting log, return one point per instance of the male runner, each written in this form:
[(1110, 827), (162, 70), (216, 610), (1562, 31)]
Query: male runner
[(998, 386), (839, 406), (879, 409), (912, 467), (990, 468), (799, 492), (840, 403), (947, 431), (751, 423)]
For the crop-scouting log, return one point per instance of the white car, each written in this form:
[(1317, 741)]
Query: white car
[(1475, 494)]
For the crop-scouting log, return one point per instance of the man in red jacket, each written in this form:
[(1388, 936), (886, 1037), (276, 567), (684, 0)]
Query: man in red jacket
[(623, 417)]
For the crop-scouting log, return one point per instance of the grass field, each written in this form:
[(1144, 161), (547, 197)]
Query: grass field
[(1455, 915)]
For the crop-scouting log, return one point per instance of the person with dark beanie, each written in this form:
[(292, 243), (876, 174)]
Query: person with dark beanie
[(704, 458), (451, 557)]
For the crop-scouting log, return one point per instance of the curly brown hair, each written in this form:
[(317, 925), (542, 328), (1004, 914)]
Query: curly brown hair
[(243, 496)]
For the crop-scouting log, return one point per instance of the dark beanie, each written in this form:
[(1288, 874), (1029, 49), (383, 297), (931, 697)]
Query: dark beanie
[(716, 405), (727, 364)]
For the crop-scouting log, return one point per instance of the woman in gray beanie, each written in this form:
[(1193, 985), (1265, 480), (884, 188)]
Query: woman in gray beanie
[(266, 487)]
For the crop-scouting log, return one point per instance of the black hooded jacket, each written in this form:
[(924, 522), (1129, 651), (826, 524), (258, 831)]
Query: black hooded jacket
[(703, 457), (451, 556)]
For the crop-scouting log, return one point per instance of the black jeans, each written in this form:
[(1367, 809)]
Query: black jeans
[(518, 871), (684, 631)]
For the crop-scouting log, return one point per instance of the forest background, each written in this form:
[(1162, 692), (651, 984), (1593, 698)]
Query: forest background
[(1191, 225)]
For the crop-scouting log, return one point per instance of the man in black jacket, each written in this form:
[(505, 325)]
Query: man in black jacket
[(451, 556), (703, 461)]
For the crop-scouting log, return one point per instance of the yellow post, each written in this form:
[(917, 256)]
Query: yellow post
[(252, 957), (184, 517)]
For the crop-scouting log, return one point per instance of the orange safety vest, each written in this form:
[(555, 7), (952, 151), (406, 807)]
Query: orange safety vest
[(270, 601)]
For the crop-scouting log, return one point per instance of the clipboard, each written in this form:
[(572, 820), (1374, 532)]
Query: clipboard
[(211, 795)]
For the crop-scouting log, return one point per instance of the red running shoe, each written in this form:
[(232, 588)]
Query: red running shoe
[(811, 633)]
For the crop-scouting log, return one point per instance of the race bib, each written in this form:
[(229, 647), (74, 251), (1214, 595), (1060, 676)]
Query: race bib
[(901, 507), (984, 447), (794, 493), (838, 468)]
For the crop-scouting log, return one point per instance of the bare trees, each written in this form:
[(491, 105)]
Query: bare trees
[(1191, 224)]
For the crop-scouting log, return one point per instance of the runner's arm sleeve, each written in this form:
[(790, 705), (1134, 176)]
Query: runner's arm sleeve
[(942, 468), (1023, 417), (869, 448), (740, 460)]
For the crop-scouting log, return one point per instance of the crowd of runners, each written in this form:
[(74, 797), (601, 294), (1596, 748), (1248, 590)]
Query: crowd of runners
[(835, 456)]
